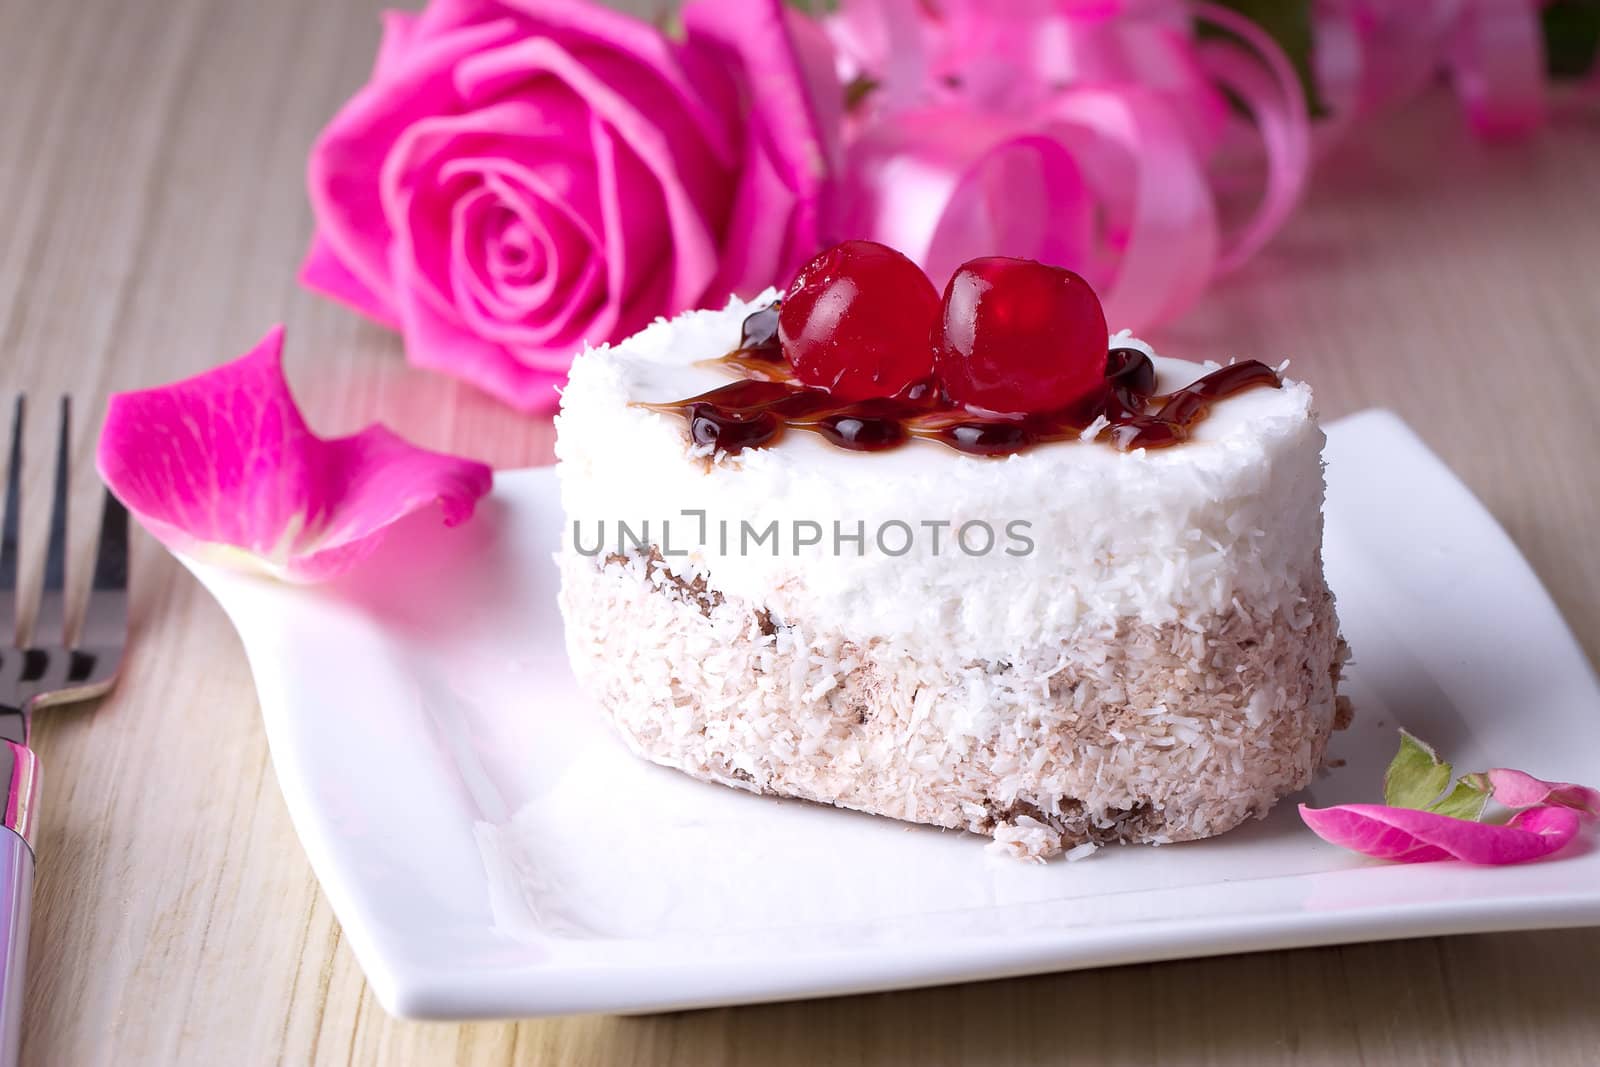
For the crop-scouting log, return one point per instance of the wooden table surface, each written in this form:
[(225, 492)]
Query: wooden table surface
[(151, 220)]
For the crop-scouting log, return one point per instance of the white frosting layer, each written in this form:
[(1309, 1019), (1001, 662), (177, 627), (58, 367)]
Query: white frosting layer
[(1174, 534)]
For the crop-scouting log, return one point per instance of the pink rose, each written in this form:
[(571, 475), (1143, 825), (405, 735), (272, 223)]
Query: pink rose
[(523, 177)]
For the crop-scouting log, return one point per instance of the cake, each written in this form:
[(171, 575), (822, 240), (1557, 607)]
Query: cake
[(1060, 628)]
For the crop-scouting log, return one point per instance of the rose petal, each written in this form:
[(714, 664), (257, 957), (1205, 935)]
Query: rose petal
[(756, 251), (1410, 836), (437, 161), (222, 466), (445, 345), (399, 29), (342, 175), (616, 156), (673, 170), (554, 198), (1548, 820), (534, 298), (323, 272), (1518, 789), (641, 45)]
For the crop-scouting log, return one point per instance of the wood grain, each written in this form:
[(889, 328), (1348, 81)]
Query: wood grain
[(151, 220)]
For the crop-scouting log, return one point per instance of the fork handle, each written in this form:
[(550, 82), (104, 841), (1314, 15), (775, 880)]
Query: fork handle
[(16, 909), (19, 776)]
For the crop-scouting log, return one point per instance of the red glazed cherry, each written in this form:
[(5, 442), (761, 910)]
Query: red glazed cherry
[(1020, 337), (857, 321)]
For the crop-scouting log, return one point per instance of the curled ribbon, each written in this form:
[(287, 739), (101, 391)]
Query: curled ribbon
[(1088, 135), (1102, 134), (1375, 53)]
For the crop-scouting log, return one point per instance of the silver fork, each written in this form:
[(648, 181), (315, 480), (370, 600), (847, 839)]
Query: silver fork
[(50, 668)]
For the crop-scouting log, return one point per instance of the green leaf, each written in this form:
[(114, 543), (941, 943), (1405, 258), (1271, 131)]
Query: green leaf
[(1571, 35), (1465, 801), (1416, 776)]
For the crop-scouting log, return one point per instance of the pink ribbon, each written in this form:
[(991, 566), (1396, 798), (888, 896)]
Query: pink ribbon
[(1260, 76), (1497, 60), (1374, 53), (1099, 134), (1080, 133)]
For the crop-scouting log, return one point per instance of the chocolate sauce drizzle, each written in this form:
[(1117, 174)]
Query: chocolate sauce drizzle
[(756, 410)]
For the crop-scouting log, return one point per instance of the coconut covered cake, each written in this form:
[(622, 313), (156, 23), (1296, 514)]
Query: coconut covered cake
[(962, 560)]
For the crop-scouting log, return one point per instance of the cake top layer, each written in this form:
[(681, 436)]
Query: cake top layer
[(670, 361), (1082, 534)]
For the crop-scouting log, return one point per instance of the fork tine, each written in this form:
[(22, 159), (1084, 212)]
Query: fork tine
[(12, 521), (50, 624), (105, 620)]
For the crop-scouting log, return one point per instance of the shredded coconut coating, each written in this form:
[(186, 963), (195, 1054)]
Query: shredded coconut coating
[(1132, 732)]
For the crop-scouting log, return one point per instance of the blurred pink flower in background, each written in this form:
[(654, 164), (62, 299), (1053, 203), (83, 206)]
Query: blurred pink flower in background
[(521, 177)]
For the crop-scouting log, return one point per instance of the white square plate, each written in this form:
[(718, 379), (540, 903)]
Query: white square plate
[(493, 851)]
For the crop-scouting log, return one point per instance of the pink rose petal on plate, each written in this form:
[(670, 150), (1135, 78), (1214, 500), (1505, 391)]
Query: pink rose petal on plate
[(222, 467), (1410, 836), (1518, 789)]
